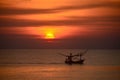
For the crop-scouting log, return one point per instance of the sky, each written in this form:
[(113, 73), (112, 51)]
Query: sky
[(75, 24)]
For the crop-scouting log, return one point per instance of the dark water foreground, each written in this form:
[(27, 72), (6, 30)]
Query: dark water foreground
[(46, 64)]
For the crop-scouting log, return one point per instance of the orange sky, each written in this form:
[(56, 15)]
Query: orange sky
[(64, 18)]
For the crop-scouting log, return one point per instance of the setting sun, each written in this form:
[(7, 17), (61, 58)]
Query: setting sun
[(49, 35)]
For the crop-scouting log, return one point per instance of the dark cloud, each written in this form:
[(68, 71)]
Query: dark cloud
[(71, 21), (89, 6), (21, 11), (26, 42)]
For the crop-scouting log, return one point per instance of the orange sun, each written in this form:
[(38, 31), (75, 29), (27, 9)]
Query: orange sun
[(49, 35)]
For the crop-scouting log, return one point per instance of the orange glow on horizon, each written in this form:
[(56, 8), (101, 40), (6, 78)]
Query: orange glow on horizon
[(53, 32), (49, 32)]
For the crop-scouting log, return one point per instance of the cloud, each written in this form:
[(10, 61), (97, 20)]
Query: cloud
[(71, 21), (89, 6), (21, 11), (11, 42)]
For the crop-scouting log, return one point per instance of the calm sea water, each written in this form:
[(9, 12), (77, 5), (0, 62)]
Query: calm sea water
[(47, 64)]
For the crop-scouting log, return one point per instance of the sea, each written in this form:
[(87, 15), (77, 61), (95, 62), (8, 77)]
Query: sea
[(48, 64)]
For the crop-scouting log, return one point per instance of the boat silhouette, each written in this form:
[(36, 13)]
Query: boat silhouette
[(75, 59)]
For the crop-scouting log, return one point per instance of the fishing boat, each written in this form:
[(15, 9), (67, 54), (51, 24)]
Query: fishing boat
[(75, 59)]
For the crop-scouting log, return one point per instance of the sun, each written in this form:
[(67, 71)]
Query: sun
[(49, 35)]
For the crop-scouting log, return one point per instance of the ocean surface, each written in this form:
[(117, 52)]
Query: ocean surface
[(48, 64)]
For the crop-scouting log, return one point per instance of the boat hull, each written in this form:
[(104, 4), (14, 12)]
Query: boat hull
[(75, 62)]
